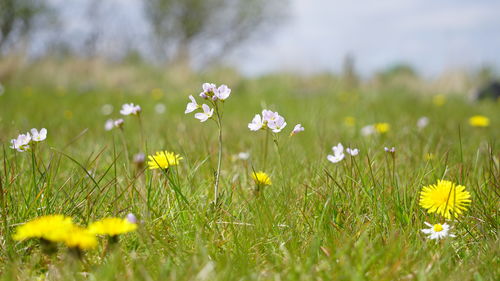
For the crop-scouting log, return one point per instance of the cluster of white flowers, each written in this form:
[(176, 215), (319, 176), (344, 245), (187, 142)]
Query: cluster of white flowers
[(211, 93), (338, 153), (110, 124), (269, 119), (21, 143), (130, 109), (390, 150)]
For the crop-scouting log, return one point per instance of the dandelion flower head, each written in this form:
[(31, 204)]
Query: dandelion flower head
[(261, 178), (163, 160), (112, 226), (52, 228), (479, 121), (445, 198)]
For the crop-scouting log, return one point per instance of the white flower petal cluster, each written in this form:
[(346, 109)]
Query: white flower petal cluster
[(269, 119), (110, 124), (212, 94), (130, 109), (437, 231), (297, 129), (22, 142), (206, 114), (390, 150), (210, 91), (338, 153)]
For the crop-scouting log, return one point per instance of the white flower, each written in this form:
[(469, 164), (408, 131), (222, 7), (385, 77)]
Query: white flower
[(130, 108), (338, 154), (422, 122), (38, 136), (243, 155), (21, 144), (368, 130), (352, 151), (192, 106), (109, 125), (131, 218), (437, 231), (268, 115), (160, 108), (222, 93), (297, 129), (256, 123), (277, 124), (206, 114), (390, 150), (208, 90), (118, 123), (273, 120), (139, 158), (107, 109)]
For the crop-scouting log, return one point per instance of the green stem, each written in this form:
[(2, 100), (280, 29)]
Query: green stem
[(219, 160)]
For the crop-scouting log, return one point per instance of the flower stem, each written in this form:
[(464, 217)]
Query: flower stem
[(219, 160)]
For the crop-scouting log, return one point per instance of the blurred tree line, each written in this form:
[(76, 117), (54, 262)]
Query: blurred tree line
[(175, 30)]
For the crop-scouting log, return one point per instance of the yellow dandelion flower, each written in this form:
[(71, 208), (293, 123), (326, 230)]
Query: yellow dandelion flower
[(81, 238), (157, 93), (349, 121), (382, 128), (112, 226), (439, 100), (479, 121), (163, 160), (261, 178), (429, 156), (445, 198), (51, 228)]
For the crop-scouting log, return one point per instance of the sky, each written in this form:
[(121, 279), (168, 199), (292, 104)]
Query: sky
[(431, 35)]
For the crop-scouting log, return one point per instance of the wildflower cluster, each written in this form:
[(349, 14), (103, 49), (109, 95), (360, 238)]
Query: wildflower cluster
[(446, 199), (213, 95), (22, 142), (338, 153), (269, 120)]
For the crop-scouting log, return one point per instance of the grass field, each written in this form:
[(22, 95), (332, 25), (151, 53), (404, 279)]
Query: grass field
[(358, 219)]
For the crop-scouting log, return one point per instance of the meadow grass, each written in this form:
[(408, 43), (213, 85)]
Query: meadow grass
[(358, 219)]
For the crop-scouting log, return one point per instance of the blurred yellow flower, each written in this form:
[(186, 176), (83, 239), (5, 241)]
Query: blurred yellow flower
[(439, 100), (111, 226), (350, 121), (261, 178), (78, 237), (429, 156), (163, 160), (382, 128), (68, 114), (445, 198), (479, 121), (157, 93), (51, 228)]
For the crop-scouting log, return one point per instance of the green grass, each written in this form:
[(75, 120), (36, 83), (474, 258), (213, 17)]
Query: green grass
[(355, 220)]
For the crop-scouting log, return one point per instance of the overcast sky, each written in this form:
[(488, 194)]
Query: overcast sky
[(432, 35)]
